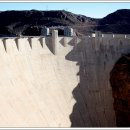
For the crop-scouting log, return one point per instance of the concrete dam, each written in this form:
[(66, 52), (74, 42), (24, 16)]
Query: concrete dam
[(59, 81)]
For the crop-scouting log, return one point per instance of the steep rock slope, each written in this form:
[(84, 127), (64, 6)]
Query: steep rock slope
[(18, 21), (116, 22)]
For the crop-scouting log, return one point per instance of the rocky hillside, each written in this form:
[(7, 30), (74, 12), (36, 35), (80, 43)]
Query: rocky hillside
[(30, 22), (117, 22), (17, 22), (120, 82)]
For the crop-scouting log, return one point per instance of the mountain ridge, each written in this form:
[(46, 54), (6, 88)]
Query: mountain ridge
[(27, 21)]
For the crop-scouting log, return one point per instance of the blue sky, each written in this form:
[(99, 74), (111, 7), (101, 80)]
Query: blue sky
[(96, 10)]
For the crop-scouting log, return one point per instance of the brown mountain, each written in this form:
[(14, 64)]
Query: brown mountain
[(17, 22), (30, 22), (116, 22)]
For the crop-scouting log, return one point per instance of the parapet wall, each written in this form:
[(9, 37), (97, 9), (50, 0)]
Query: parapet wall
[(99, 34), (52, 40), (31, 43)]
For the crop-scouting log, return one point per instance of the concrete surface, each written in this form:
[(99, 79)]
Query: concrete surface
[(69, 88)]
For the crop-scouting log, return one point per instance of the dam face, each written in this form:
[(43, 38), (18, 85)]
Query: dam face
[(58, 81)]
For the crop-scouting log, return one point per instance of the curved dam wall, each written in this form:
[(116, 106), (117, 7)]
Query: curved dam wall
[(35, 88), (58, 81)]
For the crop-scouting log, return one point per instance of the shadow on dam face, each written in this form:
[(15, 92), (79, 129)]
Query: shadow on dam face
[(93, 93), (120, 82), (76, 116), (102, 94), (84, 113)]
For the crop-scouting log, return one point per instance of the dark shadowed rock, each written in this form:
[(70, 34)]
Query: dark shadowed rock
[(117, 22), (20, 22)]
